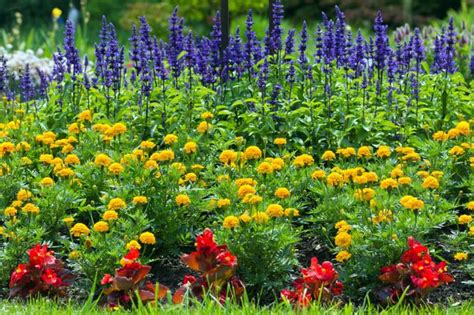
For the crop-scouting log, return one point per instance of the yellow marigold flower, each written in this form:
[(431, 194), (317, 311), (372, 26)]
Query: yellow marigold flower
[(110, 215), (140, 200), (101, 227), (73, 255), (65, 172), (228, 156), (102, 160), (10, 211), (464, 219), (364, 151), (245, 181), (190, 147), (423, 174), (317, 174), (139, 153), (361, 180), (411, 157), (453, 133), (47, 181), (253, 153), (456, 151), (383, 151), (17, 203), (133, 244), (85, 116), (72, 159), (6, 148), (470, 205), (182, 200), (68, 220), (303, 160), (334, 179), (116, 204), (223, 178), (221, 203), (328, 155), (396, 172), (384, 215), (274, 210), (463, 128), (180, 167), (411, 202), (430, 182), (23, 195), (147, 238), (371, 176), (46, 158), (203, 127), (437, 174), (343, 256), (471, 230), (252, 199), (147, 145), (278, 164), (26, 161), (74, 128), (79, 229), (343, 240), (150, 165), (388, 183), (170, 139), (345, 152), (190, 177), (364, 194), (440, 136), (265, 168), (245, 189), (260, 217), (280, 141), (461, 256), (404, 180), (23, 146), (116, 168), (118, 129), (231, 222), (282, 193), (207, 115), (245, 218)]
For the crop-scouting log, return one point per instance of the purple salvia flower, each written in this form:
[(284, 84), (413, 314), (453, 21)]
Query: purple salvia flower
[(290, 77), (43, 84), (471, 65), (73, 61), (249, 44), (328, 43), (439, 58), (340, 36), (302, 48), (263, 76), (4, 76), (27, 88), (146, 41), (58, 67), (318, 55), (381, 42), (450, 49), (216, 39), (276, 32), (175, 42), (290, 42), (134, 53), (357, 59), (159, 68)]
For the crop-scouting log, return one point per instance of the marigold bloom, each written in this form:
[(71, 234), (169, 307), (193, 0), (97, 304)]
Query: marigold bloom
[(404, 180), (471, 230), (457, 151), (245, 218), (85, 116), (207, 115), (190, 147), (282, 193), (463, 128), (371, 177), (116, 168), (72, 159), (203, 127), (470, 205), (170, 139), (231, 222), (182, 200), (343, 240), (334, 179), (277, 164), (147, 145), (461, 256), (147, 238), (140, 200), (116, 204), (10, 211), (118, 129), (343, 256), (253, 153), (150, 165), (245, 189), (317, 174), (221, 203), (342, 226), (280, 141), (275, 211), (228, 156), (291, 212), (430, 182), (388, 183), (364, 194), (383, 151), (23, 194), (303, 160), (110, 215), (245, 181), (411, 202), (133, 244), (264, 168), (440, 136), (252, 199), (47, 181), (79, 229), (102, 160), (101, 227), (30, 208), (464, 219)]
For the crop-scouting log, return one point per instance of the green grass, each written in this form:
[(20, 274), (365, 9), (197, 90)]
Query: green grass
[(44, 306)]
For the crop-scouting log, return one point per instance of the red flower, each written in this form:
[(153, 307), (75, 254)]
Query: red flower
[(107, 279), (50, 277), (226, 259), (189, 279), (205, 242), (337, 288), (415, 252), (324, 272), (18, 274), (40, 255)]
